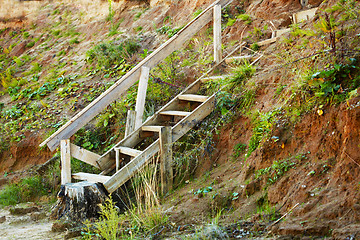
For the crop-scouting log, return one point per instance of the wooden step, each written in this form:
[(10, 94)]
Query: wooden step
[(239, 58), (90, 177), (151, 128), (175, 113), (267, 41), (128, 151), (203, 80), (193, 97)]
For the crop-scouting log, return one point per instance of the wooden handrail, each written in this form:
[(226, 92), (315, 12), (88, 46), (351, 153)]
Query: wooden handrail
[(130, 78)]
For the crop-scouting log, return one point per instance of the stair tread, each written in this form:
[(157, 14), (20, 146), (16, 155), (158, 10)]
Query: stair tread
[(175, 113), (128, 151), (151, 128), (235, 58), (213, 78), (90, 177), (193, 97)]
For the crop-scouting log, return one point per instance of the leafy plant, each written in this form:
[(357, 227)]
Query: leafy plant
[(111, 53), (246, 18), (27, 190)]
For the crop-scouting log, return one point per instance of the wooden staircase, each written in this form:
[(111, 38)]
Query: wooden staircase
[(174, 119), (182, 113)]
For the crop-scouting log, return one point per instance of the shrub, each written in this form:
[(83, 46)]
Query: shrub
[(111, 53), (28, 189)]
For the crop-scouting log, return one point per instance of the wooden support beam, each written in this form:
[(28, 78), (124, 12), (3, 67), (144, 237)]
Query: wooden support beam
[(217, 34), (166, 171), (65, 161), (84, 155), (94, 178), (130, 122), (141, 96), (129, 151)]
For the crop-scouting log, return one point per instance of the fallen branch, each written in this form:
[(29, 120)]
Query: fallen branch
[(351, 159)]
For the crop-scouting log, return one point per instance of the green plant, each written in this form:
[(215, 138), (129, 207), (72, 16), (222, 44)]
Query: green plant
[(109, 54), (30, 44), (239, 149), (246, 18), (28, 189), (107, 226), (263, 123)]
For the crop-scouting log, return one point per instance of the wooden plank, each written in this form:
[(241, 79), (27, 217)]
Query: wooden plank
[(217, 34), (130, 122), (90, 177), (151, 128), (129, 151), (182, 127), (206, 79), (166, 170), (238, 58), (304, 15), (267, 41), (84, 155), (129, 170), (193, 97), (121, 86), (141, 96), (117, 159), (175, 113), (65, 161)]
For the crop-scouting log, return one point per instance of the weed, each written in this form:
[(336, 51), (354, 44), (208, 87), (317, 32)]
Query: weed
[(30, 44), (263, 125), (239, 149), (27, 190), (246, 18), (110, 53)]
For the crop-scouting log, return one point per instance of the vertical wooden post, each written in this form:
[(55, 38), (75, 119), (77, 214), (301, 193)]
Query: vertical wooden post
[(117, 159), (166, 159), (65, 161), (141, 96), (217, 34), (130, 122)]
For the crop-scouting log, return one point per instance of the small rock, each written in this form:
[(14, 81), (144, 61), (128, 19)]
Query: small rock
[(60, 226), (36, 216), (23, 211), (2, 219), (72, 234)]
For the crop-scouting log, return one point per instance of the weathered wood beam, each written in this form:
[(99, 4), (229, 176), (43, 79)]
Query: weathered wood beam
[(65, 153), (217, 34), (141, 96), (166, 171), (84, 155), (130, 122)]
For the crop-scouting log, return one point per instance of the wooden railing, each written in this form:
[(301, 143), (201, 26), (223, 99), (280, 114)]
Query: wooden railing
[(121, 86)]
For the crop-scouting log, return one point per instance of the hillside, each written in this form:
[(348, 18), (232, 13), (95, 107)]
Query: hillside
[(277, 159)]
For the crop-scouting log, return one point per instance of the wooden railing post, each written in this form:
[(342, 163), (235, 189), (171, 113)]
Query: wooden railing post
[(130, 122), (166, 159), (217, 34), (141, 96), (65, 161)]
